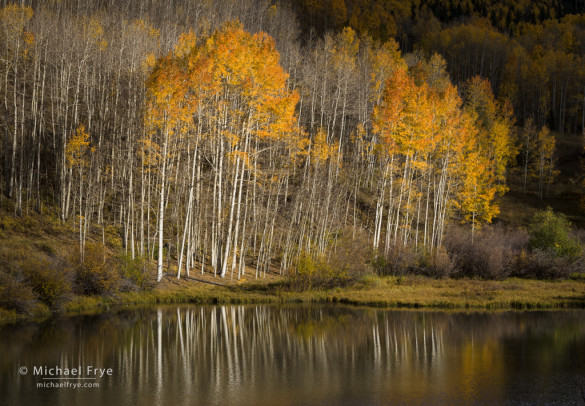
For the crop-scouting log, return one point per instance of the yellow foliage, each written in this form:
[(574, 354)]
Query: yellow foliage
[(13, 18), (77, 147), (94, 31), (321, 151), (149, 62), (29, 41), (146, 29), (187, 41)]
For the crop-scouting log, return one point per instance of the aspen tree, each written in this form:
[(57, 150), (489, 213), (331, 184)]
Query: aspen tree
[(15, 44), (544, 165)]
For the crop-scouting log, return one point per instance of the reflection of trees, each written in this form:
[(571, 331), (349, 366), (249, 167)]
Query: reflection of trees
[(214, 354)]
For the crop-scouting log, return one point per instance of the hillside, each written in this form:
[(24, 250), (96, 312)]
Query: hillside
[(142, 140)]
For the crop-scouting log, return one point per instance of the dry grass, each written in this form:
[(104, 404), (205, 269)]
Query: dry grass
[(469, 293), (390, 291)]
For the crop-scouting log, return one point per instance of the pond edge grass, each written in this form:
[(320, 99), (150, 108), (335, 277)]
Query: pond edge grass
[(386, 292)]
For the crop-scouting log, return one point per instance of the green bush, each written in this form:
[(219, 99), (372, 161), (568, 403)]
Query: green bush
[(135, 272), (348, 261), (113, 237), (550, 231)]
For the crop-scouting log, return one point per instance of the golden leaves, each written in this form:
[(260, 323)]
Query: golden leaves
[(13, 21), (427, 129), (144, 28), (149, 62), (231, 78), (92, 33), (187, 41), (13, 18), (321, 151), (77, 148)]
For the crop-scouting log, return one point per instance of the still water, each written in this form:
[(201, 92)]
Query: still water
[(295, 355)]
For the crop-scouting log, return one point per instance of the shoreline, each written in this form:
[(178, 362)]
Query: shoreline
[(390, 292)]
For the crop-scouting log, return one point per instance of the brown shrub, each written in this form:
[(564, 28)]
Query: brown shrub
[(438, 264), (400, 260), (96, 274), (15, 294), (352, 254), (545, 264), (489, 254), (49, 279)]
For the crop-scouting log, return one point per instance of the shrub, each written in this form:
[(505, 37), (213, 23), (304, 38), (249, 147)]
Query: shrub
[(352, 254), (135, 272), (489, 254), (370, 280), (48, 280), (316, 273), (47, 248), (400, 260), (15, 294), (346, 263), (437, 264), (403, 260), (550, 231), (544, 264), (113, 237), (95, 275)]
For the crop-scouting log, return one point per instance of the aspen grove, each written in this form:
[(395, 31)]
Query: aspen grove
[(211, 137)]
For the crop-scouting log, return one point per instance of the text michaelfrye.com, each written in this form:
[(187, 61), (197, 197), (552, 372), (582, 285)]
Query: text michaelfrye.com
[(57, 377)]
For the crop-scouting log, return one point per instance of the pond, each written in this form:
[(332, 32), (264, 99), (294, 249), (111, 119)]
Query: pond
[(295, 355)]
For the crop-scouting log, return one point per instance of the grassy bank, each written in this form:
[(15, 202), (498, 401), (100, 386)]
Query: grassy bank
[(40, 276), (378, 291), (388, 292)]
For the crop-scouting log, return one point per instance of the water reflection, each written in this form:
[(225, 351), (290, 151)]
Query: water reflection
[(255, 355)]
